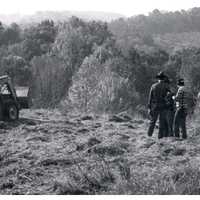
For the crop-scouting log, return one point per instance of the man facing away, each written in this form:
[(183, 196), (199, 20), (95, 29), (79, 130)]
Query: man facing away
[(157, 105), (181, 110)]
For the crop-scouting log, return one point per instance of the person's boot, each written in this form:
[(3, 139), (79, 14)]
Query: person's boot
[(177, 135), (150, 130), (184, 137), (160, 135)]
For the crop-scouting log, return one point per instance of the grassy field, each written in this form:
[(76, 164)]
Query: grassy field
[(90, 154)]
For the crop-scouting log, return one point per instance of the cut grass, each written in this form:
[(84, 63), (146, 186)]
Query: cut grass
[(111, 158)]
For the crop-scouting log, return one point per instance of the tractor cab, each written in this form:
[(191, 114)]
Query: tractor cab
[(10, 103)]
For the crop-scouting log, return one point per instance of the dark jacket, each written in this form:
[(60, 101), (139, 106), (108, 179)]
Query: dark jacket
[(157, 96)]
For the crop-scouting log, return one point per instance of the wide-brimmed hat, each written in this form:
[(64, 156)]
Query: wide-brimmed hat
[(180, 82), (161, 75)]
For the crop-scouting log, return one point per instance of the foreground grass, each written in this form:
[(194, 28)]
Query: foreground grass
[(95, 155)]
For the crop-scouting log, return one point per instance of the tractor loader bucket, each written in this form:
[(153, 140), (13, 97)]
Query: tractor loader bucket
[(23, 97)]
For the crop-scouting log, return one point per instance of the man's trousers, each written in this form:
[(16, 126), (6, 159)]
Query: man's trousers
[(154, 116)]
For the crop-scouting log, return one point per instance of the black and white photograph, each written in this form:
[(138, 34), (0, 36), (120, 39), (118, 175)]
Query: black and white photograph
[(99, 98)]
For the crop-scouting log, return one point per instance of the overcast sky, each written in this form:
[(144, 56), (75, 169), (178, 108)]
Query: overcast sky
[(125, 7)]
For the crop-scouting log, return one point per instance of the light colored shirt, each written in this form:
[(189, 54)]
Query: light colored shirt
[(182, 97)]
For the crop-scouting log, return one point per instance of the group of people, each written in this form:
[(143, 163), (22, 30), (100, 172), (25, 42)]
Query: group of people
[(171, 109)]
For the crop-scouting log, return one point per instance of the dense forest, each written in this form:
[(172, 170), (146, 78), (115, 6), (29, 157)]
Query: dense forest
[(96, 66)]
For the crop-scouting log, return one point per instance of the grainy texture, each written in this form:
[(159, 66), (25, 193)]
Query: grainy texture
[(58, 154)]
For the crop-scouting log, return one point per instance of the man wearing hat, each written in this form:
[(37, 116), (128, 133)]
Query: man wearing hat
[(181, 99), (157, 105)]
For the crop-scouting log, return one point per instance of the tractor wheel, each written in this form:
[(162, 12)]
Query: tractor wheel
[(13, 112)]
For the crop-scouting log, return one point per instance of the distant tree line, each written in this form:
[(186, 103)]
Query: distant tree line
[(158, 29), (94, 66)]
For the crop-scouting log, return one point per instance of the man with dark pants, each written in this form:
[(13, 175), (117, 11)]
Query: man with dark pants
[(181, 110), (157, 105)]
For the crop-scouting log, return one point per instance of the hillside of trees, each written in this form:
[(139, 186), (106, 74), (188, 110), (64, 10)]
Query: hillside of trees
[(170, 31), (95, 66)]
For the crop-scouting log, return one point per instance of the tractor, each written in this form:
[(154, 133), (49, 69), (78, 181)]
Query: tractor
[(10, 102)]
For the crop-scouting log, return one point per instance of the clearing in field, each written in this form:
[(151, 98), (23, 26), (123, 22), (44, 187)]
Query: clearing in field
[(89, 154)]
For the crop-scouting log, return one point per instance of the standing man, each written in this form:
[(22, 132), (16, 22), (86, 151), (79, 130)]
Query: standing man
[(157, 105), (181, 99)]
